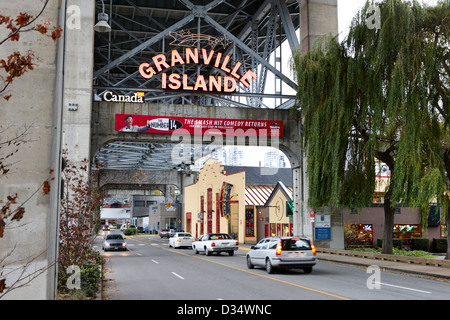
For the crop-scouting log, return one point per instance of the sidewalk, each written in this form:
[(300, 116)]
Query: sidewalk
[(434, 268)]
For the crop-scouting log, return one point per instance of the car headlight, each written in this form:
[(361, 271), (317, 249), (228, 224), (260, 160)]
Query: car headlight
[(124, 244), (106, 244)]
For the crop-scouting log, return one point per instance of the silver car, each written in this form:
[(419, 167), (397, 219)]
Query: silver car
[(282, 252), (114, 241)]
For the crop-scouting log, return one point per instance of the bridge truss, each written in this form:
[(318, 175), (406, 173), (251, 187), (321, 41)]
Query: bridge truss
[(254, 30), (250, 31)]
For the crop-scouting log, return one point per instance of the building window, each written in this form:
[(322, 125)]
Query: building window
[(217, 212), (171, 223), (406, 232), (209, 209), (358, 235), (444, 230), (139, 203), (249, 222)]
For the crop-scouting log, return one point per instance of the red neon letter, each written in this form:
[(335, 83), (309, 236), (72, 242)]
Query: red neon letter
[(191, 55), (247, 77), (176, 58), (226, 84), (146, 71), (224, 64), (215, 83), (185, 83), (206, 58), (235, 69), (200, 83), (159, 60), (175, 83)]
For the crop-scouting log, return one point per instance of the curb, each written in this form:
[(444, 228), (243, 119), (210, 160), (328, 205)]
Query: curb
[(387, 257)]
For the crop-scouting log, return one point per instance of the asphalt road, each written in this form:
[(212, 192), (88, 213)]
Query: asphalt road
[(150, 270)]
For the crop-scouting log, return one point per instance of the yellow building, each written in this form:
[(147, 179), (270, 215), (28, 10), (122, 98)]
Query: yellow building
[(224, 202), (216, 202), (280, 211)]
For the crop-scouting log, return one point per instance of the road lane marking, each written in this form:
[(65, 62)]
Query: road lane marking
[(155, 261), (263, 276), (177, 275), (405, 288), (256, 274)]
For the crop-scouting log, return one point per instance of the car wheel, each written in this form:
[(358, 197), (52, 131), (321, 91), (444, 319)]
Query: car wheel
[(207, 252), (249, 263), (307, 270), (269, 267), (231, 253), (195, 250)]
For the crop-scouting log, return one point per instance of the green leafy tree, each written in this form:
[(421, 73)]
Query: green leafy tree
[(378, 95)]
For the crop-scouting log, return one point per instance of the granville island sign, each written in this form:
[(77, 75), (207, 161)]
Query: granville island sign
[(206, 83), (197, 56)]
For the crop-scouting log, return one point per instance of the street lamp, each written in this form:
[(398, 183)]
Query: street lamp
[(102, 24)]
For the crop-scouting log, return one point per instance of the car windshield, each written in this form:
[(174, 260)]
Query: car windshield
[(114, 237), (184, 235), (219, 236), (295, 244)]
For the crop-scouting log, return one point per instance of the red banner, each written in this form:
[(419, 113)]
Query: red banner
[(164, 124)]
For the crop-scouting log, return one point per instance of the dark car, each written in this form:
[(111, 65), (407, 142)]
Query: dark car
[(164, 233), (114, 241)]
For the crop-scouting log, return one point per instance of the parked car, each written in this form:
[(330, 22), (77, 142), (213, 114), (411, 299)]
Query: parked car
[(164, 233), (114, 241), (181, 239), (215, 242), (282, 252)]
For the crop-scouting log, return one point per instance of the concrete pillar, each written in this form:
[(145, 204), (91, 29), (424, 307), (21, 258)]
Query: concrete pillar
[(317, 17), (29, 245), (78, 74)]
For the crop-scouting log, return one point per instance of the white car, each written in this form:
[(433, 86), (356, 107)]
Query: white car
[(215, 242), (181, 239)]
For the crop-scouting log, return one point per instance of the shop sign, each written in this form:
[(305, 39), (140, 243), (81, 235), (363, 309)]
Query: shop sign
[(206, 83), (322, 234), (202, 126), (109, 96), (322, 226)]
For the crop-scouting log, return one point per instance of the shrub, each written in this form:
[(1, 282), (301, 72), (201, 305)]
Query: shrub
[(90, 277), (439, 245), (420, 244), (396, 243), (129, 231)]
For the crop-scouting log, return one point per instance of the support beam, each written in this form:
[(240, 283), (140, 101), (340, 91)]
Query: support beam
[(144, 45), (317, 17)]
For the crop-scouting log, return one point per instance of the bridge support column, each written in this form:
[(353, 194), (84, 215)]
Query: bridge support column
[(317, 17), (78, 74)]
